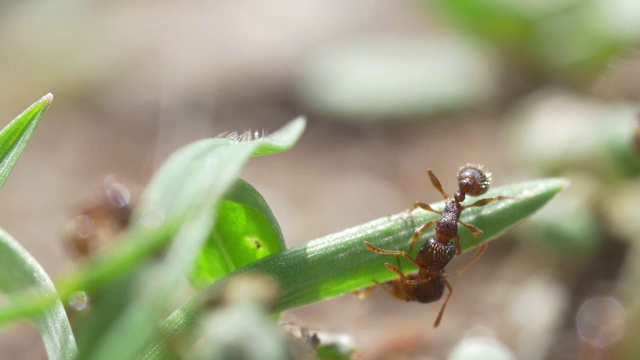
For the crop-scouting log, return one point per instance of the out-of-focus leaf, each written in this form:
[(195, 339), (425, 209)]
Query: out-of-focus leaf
[(179, 205), (377, 79), (19, 271), (578, 38), (556, 132), (245, 231), (186, 189)]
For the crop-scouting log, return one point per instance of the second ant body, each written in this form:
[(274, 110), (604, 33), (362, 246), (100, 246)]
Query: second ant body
[(429, 283)]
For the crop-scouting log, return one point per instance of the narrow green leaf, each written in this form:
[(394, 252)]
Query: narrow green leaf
[(186, 188), (204, 170), (155, 228), (15, 136), (245, 231), (20, 271), (340, 263)]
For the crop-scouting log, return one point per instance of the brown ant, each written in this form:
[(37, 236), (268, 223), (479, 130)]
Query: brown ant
[(104, 218), (429, 283), (423, 287)]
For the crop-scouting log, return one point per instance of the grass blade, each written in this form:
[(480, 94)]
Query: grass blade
[(144, 240), (15, 136), (339, 263), (186, 188), (20, 271)]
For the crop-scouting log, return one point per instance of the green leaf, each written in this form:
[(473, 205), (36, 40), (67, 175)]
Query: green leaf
[(15, 136), (155, 227), (20, 271), (204, 170), (246, 231), (340, 263), (186, 189), (502, 21)]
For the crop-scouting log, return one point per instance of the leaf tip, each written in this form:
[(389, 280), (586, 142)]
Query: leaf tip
[(47, 98), (564, 182), (560, 183), (297, 125)]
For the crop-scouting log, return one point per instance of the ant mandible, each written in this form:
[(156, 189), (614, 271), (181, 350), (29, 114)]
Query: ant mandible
[(429, 283)]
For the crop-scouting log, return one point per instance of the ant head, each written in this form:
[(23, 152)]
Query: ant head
[(473, 180)]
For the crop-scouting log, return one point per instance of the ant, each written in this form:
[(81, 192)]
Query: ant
[(423, 287), (429, 283), (107, 215)]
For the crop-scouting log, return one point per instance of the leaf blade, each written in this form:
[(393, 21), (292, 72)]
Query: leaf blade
[(187, 187), (15, 136), (20, 271), (246, 230), (339, 263)]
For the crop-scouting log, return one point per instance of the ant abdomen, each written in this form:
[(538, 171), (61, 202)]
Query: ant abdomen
[(430, 290), (473, 180), (427, 289)]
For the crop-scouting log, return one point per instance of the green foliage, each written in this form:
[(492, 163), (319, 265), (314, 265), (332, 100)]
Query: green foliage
[(245, 231), (185, 191), (576, 37), (15, 136), (19, 271), (340, 263), (197, 219)]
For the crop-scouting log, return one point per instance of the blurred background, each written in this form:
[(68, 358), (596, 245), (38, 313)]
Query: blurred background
[(390, 89)]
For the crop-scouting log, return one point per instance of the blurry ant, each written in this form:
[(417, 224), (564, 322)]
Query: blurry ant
[(104, 218), (429, 283)]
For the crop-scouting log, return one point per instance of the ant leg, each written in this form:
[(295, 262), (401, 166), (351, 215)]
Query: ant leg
[(424, 206), (363, 293), (456, 241), (416, 235), (446, 283), (437, 185), (400, 274), (486, 201), (404, 254), (476, 232), (398, 262), (475, 257)]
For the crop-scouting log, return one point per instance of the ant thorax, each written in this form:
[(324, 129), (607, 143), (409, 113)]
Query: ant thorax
[(447, 225)]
